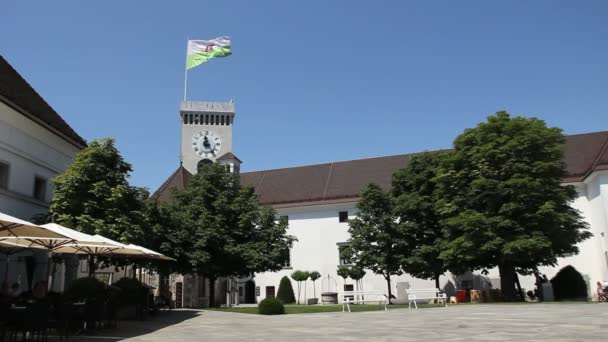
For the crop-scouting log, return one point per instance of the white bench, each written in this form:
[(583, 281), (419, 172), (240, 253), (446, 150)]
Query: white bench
[(431, 293), (360, 297)]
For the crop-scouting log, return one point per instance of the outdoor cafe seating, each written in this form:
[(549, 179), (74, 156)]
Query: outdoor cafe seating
[(35, 314)]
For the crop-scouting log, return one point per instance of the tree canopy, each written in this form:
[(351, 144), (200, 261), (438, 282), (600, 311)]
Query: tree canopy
[(93, 195), (229, 234), (503, 201), (377, 240), (416, 198)]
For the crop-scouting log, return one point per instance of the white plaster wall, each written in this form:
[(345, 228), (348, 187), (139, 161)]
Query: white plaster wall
[(318, 232), (31, 150)]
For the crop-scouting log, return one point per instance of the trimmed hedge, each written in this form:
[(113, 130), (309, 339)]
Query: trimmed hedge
[(568, 283), (83, 288), (285, 293), (271, 306), (131, 291)]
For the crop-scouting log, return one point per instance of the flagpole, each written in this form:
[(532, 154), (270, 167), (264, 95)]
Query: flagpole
[(186, 70)]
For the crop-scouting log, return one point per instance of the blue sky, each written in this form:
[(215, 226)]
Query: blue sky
[(313, 81)]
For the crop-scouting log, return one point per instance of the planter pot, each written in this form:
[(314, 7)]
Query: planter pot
[(312, 301)]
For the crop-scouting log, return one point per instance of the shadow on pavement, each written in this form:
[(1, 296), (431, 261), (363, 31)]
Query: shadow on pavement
[(130, 329)]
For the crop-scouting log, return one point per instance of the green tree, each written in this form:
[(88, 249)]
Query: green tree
[(377, 240), (314, 275), (299, 276), (344, 272), (416, 197), (93, 195), (164, 233), (231, 235), (505, 205), (357, 273), (285, 293)]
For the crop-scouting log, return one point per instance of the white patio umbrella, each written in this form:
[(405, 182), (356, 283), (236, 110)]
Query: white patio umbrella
[(16, 233), (12, 227), (82, 243), (125, 250), (153, 254)]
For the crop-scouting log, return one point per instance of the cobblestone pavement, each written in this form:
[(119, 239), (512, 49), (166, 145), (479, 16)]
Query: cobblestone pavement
[(537, 322)]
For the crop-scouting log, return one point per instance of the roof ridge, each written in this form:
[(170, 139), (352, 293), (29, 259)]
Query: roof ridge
[(597, 158), (346, 161), (166, 183), (588, 133), (66, 132), (331, 168)]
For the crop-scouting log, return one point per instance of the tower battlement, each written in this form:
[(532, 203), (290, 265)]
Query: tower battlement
[(206, 107)]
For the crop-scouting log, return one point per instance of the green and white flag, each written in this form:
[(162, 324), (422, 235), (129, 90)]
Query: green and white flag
[(200, 51)]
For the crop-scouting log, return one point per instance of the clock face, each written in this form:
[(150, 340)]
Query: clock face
[(206, 144)]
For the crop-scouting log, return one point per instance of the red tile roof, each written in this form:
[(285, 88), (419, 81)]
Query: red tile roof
[(178, 179), (341, 181)]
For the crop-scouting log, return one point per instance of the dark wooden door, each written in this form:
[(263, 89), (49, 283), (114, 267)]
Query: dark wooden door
[(178, 294), (269, 291)]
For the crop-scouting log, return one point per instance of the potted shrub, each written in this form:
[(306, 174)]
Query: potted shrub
[(85, 288), (314, 275), (131, 298), (299, 276)]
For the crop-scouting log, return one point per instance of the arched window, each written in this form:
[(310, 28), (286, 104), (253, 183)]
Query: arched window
[(201, 164)]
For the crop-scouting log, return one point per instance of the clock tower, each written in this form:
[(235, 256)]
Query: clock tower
[(206, 132)]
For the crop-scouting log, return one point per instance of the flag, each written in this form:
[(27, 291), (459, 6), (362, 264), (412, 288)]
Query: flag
[(200, 51)]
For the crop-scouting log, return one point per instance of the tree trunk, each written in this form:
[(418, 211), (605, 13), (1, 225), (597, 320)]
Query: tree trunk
[(388, 283), (298, 292), (211, 291), (436, 281), (507, 282), (522, 298), (91, 265)]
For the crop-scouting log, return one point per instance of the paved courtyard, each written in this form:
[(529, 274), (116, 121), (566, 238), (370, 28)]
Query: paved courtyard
[(563, 322)]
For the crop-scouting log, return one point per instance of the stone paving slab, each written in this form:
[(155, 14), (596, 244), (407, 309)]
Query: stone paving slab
[(538, 322)]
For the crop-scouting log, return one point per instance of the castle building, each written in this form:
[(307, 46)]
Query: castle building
[(318, 200), (36, 144)]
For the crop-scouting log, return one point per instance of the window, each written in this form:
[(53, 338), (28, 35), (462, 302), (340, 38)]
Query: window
[(342, 251), (200, 167), (287, 257), (343, 216), (39, 188), (4, 168)]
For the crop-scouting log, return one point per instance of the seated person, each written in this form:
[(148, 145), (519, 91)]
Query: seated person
[(15, 291), (601, 293), (39, 291)]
